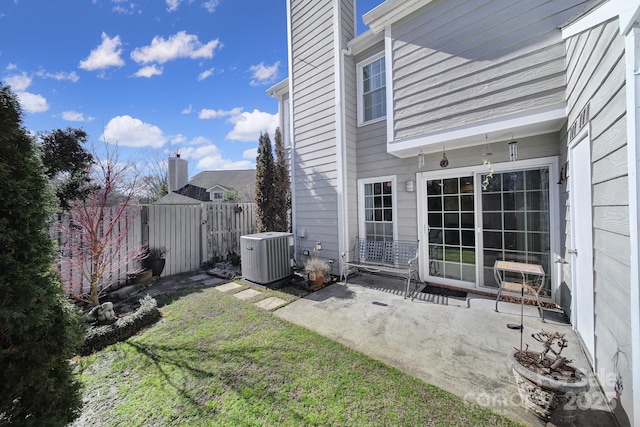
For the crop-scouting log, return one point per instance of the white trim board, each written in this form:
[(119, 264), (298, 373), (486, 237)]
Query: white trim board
[(520, 125), (632, 48)]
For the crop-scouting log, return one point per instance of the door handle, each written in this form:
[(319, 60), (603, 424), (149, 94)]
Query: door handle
[(572, 251)]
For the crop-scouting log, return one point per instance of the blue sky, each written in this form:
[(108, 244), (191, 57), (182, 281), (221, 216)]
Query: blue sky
[(154, 76)]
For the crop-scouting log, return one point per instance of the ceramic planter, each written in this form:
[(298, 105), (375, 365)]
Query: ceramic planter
[(157, 266), (545, 397)]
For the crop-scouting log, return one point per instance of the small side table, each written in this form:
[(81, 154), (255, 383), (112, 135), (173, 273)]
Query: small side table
[(531, 283)]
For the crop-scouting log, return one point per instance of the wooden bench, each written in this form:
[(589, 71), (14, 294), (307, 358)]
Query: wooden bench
[(376, 256)]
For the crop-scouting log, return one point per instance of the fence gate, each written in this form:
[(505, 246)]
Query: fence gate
[(224, 223), (178, 229)]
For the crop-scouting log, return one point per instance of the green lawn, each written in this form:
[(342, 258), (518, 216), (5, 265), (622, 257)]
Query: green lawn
[(215, 360)]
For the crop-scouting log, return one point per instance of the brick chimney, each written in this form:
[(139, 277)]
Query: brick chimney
[(178, 173)]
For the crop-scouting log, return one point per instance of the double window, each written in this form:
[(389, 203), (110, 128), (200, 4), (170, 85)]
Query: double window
[(372, 96)]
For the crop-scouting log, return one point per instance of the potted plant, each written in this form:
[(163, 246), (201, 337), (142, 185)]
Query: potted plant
[(317, 269), (234, 258), (155, 259), (547, 382)]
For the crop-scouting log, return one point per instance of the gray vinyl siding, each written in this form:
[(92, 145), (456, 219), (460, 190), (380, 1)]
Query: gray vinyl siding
[(374, 161), (459, 62), (314, 154), (351, 118), (596, 75)]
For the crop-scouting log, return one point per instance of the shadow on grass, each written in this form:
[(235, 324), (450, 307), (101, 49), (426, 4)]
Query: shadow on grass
[(240, 370)]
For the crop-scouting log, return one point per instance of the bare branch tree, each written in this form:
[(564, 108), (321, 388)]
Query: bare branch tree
[(95, 250)]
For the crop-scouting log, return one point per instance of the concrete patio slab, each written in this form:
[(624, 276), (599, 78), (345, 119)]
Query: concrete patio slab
[(458, 344), (270, 303), (227, 287), (247, 293)]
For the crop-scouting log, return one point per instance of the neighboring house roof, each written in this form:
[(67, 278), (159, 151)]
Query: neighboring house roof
[(197, 190), (175, 199), (194, 192), (227, 179)]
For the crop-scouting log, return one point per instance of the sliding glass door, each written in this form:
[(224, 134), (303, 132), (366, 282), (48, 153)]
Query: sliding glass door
[(516, 220), (473, 219), (451, 224)]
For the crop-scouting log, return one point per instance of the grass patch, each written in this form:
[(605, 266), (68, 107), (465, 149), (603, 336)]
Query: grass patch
[(214, 360)]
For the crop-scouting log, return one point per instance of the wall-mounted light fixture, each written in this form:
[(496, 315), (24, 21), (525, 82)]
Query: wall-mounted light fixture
[(410, 186)]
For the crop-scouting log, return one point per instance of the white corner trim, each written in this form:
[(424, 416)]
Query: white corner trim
[(632, 50), (629, 16), (595, 17), (628, 11), (341, 174), (388, 65), (292, 139)]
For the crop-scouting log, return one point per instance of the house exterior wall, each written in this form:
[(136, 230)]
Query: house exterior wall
[(457, 62), (318, 32), (596, 76)]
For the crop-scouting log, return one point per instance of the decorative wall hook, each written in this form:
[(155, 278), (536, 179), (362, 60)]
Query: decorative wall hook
[(444, 162)]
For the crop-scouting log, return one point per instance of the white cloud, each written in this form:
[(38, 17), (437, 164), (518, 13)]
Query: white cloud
[(250, 154), (178, 139), (264, 74), (61, 75), (74, 116), (149, 71), (11, 67), (104, 56), (205, 74), (127, 131), (209, 158), (19, 82), (200, 140), (32, 103), (128, 9), (172, 5), (206, 113), (211, 5), (180, 45), (247, 126), (188, 110)]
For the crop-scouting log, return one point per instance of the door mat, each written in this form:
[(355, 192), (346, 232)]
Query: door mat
[(435, 290)]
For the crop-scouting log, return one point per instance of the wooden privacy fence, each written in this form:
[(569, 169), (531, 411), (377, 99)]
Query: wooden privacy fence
[(191, 234)]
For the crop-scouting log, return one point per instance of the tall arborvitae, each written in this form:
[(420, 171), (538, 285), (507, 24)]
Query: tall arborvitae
[(265, 183), (39, 329), (283, 185)]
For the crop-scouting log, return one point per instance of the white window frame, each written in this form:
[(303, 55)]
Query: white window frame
[(362, 231), (476, 171), (360, 101)]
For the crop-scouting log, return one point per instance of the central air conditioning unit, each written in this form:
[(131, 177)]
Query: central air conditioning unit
[(266, 257)]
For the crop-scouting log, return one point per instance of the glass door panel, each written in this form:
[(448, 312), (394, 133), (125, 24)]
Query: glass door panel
[(516, 221), (450, 217)]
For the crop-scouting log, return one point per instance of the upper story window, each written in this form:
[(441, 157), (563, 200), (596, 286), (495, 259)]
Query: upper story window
[(372, 89)]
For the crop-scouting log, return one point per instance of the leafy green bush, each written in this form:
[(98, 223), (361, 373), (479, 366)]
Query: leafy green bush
[(99, 337)]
